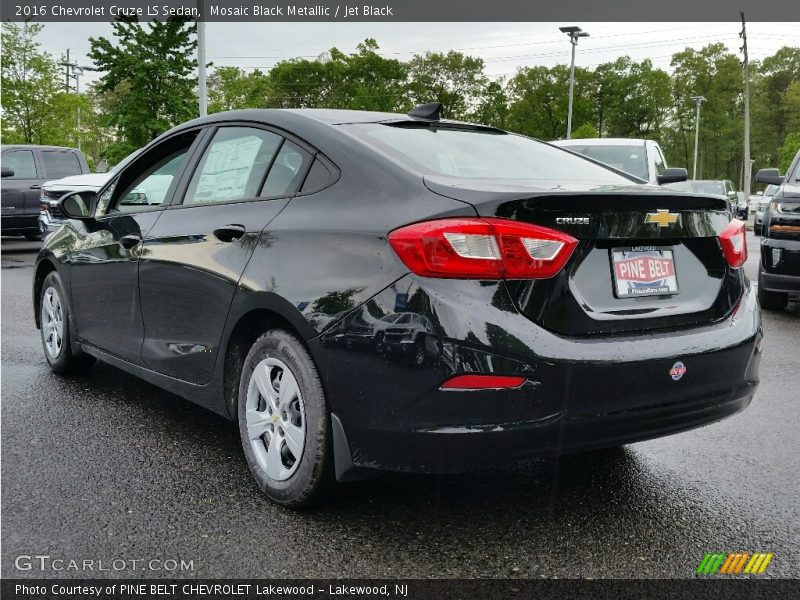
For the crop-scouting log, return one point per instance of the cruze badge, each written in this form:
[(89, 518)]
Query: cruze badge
[(572, 220), (662, 217), (677, 371)]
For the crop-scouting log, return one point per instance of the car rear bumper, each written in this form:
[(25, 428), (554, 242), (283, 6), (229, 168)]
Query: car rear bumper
[(579, 392)]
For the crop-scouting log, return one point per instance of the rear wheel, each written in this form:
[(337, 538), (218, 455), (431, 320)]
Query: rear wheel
[(56, 330), (772, 300), (284, 422)]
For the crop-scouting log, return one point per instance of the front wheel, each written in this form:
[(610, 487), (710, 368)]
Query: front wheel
[(284, 422), (56, 329)]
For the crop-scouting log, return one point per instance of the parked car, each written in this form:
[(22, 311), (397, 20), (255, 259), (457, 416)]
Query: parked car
[(641, 158), (50, 216), (763, 203), (24, 169), (779, 269), (716, 187), (564, 306), (741, 206)]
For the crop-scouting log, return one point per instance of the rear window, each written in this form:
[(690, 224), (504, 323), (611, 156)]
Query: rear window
[(61, 164), (479, 154), (631, 159)]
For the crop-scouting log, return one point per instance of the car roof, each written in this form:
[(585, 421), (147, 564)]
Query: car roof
[(35, 147), (600, 142)]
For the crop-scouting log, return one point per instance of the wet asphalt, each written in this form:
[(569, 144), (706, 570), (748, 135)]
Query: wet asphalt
[(107, 468)]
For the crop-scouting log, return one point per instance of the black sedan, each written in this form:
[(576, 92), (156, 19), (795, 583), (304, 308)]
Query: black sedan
[(562, 306)]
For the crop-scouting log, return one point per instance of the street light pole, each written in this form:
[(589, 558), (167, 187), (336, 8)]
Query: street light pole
[(574, 33), (698, 101)]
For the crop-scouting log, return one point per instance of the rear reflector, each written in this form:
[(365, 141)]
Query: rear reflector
[(482, 248), (733, 240), (482, 382)]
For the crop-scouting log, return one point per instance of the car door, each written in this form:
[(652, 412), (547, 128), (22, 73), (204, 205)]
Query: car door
[(195, 254), (20, 197), (103, 267)]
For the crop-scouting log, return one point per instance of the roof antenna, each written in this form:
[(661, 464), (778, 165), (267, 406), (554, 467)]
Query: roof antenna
[(432, 111)]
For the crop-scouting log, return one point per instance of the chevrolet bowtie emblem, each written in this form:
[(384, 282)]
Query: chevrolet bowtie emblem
[(662, 217)]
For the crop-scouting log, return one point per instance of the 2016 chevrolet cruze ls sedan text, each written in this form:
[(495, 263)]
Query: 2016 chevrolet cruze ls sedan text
[(367, 291)]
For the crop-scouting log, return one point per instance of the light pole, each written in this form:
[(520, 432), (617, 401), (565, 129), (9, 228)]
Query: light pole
[(574, 33), (698, 101)]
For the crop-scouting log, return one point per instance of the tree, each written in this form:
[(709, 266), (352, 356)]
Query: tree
[(790, 148), (492, 106), (29, 84), (231, 88), (148, 76), (454, 79)]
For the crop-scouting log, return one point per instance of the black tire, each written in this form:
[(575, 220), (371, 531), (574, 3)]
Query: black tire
[(69, 361), (33, 237), (314, 480), (772, 300)]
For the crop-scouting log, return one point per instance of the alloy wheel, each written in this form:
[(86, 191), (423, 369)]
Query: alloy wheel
[(52, 323)]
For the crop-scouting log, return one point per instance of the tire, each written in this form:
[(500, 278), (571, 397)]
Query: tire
[(56, 329), (271, 439), (772, 300)]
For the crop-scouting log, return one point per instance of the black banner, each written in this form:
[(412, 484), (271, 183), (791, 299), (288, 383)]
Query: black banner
[(400, 10), (440, 589)]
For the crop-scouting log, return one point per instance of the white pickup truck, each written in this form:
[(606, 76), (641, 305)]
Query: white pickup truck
[(641, 158)]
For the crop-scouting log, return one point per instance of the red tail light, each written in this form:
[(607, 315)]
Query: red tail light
[(733, 240), (482, 248), (482, 382)]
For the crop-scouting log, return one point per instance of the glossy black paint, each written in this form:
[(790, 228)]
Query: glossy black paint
[(779, 270), (178, 308)]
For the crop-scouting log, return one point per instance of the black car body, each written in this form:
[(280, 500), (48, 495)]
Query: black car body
[(25, 169), (539, 351), (779, 269)]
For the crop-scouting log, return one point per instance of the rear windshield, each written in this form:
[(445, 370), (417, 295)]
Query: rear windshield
[(628, 158), (478, 154)]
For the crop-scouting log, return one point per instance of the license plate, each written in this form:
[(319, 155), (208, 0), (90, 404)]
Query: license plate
[(643, 271)]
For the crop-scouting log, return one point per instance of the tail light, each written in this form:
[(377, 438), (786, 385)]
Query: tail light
[(482, 248), (733, 240)]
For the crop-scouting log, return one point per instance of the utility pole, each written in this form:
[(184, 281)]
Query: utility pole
[(747, 163), (574, 33), (698, 100), (74, 71), (67, 65), (201, 61)]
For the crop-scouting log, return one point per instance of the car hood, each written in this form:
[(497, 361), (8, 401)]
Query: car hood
[(87, 180)]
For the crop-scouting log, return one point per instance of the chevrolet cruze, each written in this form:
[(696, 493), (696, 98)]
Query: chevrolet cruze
[(367, 291)]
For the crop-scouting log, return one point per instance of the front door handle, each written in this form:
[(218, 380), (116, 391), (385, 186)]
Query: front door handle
[(228, 233), (129, 241), (36, 186)]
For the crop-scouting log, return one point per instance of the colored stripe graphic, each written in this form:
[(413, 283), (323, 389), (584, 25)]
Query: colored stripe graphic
[(733, 563)]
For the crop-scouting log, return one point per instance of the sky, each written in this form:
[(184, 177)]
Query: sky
[(503, 46)]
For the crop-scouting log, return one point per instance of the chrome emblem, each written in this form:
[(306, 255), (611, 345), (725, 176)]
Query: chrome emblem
[(662, 217)]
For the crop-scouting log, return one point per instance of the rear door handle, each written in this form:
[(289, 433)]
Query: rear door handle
[(228, 233), (129, 241)]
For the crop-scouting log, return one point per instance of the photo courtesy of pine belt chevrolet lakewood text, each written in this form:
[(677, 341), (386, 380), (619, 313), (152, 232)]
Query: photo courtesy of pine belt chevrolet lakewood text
[(364, 292)]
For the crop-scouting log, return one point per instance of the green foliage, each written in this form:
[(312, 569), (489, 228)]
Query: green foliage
[(149, 77), (454, 79), (29, 84), (790, 148), (587, 130), (231, 88)]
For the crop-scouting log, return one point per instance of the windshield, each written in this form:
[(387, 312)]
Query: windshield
[(479, 154), (629, 158), (771, 190)]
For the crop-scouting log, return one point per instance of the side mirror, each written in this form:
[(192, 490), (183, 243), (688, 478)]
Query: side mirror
[(673, 176), (77, 205), (6, 172), (770, 176)]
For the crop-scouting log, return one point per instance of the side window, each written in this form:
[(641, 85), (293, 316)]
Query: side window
[(21, 162), (318, 176), (58, 164), (659, 160), (233, 166), (287, 171), (144, 183)]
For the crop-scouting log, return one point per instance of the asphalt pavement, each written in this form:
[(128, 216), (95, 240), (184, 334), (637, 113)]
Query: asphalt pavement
[(105, 467)]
